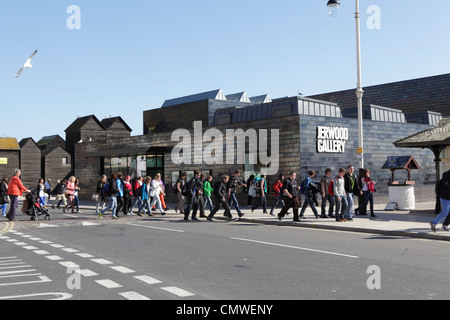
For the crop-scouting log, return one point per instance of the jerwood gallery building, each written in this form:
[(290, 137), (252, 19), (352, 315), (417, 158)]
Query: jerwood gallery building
[(219, 133)]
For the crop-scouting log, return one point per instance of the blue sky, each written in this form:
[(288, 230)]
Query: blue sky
[(130, 56)]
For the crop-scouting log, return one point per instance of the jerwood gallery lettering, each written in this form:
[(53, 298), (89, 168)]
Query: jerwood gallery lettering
[(331, 139)]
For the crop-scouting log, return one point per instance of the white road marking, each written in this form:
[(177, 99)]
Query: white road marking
[(133, 296), (148, 280), (42, 280), (58, 246), (157, 228), (85, 255), (3, 273), (46, 225), (41, 252), (7, 258), (4, 268), (70, 250), (45, 242), (123, 269), (59, 296), (26, 236), (90, 224), (297, 248), (30, 248), (102, 261), (69, 264), (178, 292), (109, 284), (35, 239), (11, 263), (87, 273), (20, 243), (54, 258)]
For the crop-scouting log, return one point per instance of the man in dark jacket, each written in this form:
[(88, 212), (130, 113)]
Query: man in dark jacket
[(111, 192), (352, 189), (192, 187), (443, 191), (220, 199)]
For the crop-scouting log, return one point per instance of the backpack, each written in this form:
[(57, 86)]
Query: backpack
[(106, 190), (303, 187), (331, 188), (257, 183)]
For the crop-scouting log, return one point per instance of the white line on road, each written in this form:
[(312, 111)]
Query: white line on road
[(85, 255), (156, 228), (69, 264), (87, 273), (42, 279), (178, 292), (54, 258), (41, 252), (148, 280), (58, 295), (297, 248), (133, 296), (102, 261), (109, 284), (123, 269)]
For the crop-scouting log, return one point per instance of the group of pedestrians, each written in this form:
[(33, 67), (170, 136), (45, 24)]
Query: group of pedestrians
[(121, 194), (339, 192)]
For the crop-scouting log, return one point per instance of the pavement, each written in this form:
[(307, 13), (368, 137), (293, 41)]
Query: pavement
[(413, 224)]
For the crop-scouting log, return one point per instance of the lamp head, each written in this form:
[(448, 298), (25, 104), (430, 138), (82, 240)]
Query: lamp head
[(333, 7)]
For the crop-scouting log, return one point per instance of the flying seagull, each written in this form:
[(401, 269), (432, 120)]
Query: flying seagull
[(26, 65)]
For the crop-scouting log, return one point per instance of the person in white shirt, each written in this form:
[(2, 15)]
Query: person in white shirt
[(157, 187), (340, 195)]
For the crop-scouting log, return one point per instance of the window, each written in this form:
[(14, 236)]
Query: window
[(65, 160), (155, 164)]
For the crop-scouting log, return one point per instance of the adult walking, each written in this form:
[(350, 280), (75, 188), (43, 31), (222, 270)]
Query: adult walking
[(290, 196), (101, 202), (179, 187), (60, 194), (232, 185), (158, 190), (15, 190), (111, 192), (191, 191), (340, 195), (4, 199), (145, 196), (70, 191), (443, 191), (352, 189), (326, 197), (368, 188), (220, 198), (306, 186), (261, 192)]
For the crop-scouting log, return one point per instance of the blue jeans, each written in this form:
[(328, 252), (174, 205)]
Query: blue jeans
[(368, 197), (235, 202), (209, 201), (341, 206), (350, 203), (445, 206), (3, 209), (112, 206), (309, 201)]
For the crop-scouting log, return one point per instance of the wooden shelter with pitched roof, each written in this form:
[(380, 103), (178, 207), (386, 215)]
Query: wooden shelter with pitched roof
[(436, 139)]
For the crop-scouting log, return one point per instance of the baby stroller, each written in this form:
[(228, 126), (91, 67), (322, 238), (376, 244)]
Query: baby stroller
[(35, 209)]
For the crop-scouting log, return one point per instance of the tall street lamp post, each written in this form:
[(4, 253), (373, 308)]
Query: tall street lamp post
[(333, 6)]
